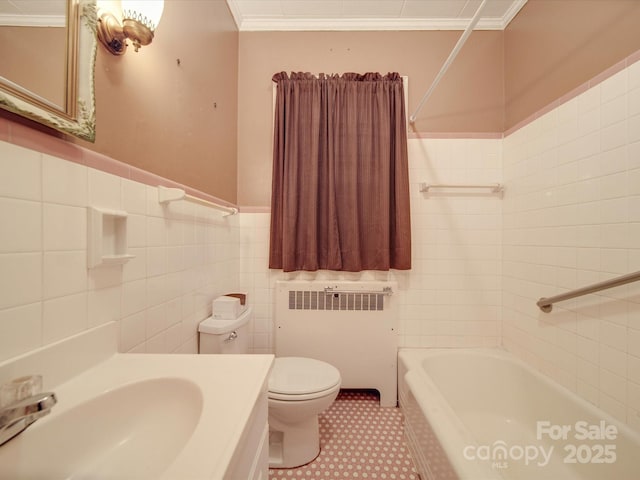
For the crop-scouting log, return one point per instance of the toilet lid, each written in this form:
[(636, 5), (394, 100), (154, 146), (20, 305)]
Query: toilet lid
[(299, 376)]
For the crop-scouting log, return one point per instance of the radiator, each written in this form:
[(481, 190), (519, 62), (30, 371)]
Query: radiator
[(351, 325)]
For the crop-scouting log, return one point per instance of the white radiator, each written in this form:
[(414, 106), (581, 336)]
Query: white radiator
[(351, 325)]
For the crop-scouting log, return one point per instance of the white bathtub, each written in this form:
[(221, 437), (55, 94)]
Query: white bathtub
[(483, 414)]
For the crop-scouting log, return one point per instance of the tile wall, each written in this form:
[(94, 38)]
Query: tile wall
[(184, 255), (452, 295), (572, 218)]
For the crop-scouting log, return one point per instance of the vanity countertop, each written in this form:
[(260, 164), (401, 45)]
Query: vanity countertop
[(214, 395), (230, 386)]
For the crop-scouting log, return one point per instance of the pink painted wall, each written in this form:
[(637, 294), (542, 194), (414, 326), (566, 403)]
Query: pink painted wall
[(469, 98), (175, 121), (552, 46), (206, 123)]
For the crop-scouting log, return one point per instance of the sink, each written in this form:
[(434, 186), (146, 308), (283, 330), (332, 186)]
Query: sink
[(133, 431), (131, 416)]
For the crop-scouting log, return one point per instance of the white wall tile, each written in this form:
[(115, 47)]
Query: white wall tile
[(21, 279), (104, 277), (633, 372), (614, 86), (589, 121), (156, 261), (592, 214), (136, 230), (20, 226), (173, 341), (52, 228), (614, 136), (155, 208), (64, 182), (105, 190), (634, 128), (633, 396), (614, 111), (174, 311), (613, 386), (132, 331), (135, 268), (134, 197), (104, 305), (68, 265), (21, 172), (156, 320), (134, 297), (589, 100), (20, 330), (633, 340), (156, 290), (64, 227), (157, 344), (64, 316), (175, 259), (156, 232), (633, 104)]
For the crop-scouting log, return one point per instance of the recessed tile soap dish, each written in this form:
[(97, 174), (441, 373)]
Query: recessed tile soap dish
[(107, 237)]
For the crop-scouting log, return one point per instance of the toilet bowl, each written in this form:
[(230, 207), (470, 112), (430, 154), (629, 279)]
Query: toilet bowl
[(298, 390)]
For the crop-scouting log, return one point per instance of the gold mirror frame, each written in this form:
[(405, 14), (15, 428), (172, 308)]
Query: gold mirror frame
[(77, 117)]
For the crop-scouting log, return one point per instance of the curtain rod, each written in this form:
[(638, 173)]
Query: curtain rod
[(449, 60)]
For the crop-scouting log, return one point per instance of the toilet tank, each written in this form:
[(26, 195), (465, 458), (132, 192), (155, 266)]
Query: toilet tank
[(225, 336)]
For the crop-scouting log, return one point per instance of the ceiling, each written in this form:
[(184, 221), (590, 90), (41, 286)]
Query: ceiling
[(297, 15), (269, 15)]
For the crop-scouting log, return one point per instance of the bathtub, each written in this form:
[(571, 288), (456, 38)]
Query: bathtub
[(482, 414)]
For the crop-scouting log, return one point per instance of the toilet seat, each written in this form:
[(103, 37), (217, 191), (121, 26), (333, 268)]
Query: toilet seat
[(298, 378)]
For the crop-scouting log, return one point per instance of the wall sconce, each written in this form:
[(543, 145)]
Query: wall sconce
[(139, 21)]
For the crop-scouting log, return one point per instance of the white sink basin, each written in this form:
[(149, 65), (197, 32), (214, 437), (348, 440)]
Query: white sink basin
[(109, 435)]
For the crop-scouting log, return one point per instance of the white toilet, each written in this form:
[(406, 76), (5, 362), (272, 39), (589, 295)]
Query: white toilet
[(299, 389)]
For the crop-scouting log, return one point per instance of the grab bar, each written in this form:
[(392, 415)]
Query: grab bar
[(385, 291), (546, 304)]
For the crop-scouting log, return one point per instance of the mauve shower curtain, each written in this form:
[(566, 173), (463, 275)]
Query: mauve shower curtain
[(340, 188)]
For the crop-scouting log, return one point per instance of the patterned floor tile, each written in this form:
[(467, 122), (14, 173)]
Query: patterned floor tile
[(358, 439)]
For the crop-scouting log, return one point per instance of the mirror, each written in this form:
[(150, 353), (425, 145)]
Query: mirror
[(47, 72)]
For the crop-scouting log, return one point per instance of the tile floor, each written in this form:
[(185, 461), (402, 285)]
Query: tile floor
[(358, 439)]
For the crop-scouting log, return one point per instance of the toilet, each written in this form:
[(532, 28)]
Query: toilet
[(298, 390)]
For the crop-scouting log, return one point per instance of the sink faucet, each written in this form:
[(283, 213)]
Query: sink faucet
[(15, 417)]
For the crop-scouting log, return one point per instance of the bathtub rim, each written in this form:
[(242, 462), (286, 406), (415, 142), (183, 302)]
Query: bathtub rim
[(452, 434), (411, 359)]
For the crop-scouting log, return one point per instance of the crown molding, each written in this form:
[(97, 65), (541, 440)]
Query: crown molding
[(513, 10), (291, 24), (33, 21), (364, 24), (235, 13)]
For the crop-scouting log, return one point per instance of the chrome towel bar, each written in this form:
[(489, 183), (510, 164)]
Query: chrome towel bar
[(546, 304), (494, 187)]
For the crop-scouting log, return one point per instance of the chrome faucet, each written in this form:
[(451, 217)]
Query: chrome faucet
[(15, 417)]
